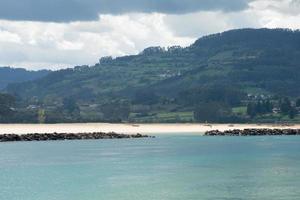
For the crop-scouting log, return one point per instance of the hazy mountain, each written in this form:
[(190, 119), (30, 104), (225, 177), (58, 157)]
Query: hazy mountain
[(16, 75)]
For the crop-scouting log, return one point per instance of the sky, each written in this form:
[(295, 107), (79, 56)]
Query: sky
[(55, 34)]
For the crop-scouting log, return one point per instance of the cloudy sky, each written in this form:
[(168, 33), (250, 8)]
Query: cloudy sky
[(56, 34)]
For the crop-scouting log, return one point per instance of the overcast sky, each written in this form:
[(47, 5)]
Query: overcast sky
[(56, 34)]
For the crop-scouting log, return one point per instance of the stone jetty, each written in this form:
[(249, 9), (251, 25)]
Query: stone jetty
[(67, 136), (253, 132)]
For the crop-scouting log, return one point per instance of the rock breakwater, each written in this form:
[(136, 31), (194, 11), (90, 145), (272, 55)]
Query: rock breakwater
[(253, 132), (67, 136)]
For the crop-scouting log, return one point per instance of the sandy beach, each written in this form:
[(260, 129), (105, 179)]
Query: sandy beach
[(131, 128)]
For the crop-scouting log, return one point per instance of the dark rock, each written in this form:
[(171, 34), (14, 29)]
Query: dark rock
[(67, 136), (253, 132)]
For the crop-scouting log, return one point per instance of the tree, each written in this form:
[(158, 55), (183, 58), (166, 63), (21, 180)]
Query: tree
[(211, 112), (105, 60), (298, 102), (70, 105), (268, 106), (214, 93), (251, 110), (7, 99), (41, 116), (292, 113), (6, 102), (116, 110), (259, 108), (285, 106), (146, 97)]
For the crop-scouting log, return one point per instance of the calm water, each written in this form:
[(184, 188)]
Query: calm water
[(165, 168)]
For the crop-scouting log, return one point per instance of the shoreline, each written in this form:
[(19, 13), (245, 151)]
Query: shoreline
[(129, 128), (67, 136), (254, 132)]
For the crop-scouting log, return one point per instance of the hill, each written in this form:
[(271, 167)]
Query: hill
[(225, 70), (17, 75)]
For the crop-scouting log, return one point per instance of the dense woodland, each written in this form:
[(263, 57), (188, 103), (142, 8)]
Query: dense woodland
[(18, 75), (247, 75)]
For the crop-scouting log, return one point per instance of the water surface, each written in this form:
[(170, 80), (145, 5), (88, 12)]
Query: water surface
[(166, 168)]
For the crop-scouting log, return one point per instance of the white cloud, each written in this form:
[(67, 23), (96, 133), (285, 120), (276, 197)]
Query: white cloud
[(277, 13), (203, 23), (287, 7), (260, 13), (38, 45), (56, 45), (9, 37)]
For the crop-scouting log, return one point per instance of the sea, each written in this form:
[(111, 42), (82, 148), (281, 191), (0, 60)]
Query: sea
[(168, 167)]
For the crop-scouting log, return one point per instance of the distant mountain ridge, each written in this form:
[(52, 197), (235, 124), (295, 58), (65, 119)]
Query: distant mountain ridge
[(10, 75), (265, 60)]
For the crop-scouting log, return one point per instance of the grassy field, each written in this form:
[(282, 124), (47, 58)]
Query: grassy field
[(164, 117), (240, 110)]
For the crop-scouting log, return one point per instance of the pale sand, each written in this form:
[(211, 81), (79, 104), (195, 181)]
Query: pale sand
[(129, 128)]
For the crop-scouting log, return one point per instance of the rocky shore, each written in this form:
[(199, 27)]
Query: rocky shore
[(66, 136), (253, 132)]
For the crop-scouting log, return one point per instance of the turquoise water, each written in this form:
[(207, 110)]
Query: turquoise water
[(165, 168)]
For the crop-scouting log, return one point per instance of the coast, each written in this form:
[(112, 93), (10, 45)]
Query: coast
[(198, 129), (66, 136), (253, 132)]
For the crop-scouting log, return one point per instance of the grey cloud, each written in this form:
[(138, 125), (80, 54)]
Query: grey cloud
[(286, 7), (58, 45), (295, 2), (195, 24), (84, 10)]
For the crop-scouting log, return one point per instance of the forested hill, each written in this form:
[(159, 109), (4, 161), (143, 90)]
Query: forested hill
[(16, 75), (227, 68), (253, 59)]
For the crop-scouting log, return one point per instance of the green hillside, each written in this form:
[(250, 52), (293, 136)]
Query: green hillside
[(17, 75), (226, 71)]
